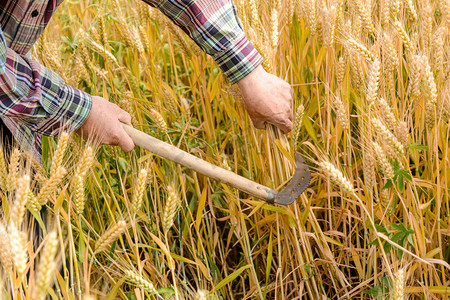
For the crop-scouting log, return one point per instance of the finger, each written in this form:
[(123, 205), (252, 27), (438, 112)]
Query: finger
[(125, 142), (285, 126), (258, 124), (124, 117)]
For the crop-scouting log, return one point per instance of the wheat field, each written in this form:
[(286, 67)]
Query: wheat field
[(371, 82)]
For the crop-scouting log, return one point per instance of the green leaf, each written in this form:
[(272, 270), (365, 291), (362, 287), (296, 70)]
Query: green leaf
[(386, 282), (412, 146), (398, 227), (397, 236), (230, 278), (387, 247), (388, 184), (375, 292), (401, 183), (381, 229)]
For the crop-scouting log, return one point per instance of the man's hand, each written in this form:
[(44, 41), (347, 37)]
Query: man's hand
[(104, 124), (268, 99)]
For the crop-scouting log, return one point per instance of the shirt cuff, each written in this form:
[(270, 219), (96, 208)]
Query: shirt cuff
[(72, 111), (239, 60)]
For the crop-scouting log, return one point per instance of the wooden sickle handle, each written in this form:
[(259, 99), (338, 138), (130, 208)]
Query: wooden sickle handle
[(181, 157)]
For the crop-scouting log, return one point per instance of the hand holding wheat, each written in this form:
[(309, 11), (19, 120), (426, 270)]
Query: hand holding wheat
[(268, 99)]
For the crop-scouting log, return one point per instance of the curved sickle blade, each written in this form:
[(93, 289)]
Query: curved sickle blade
[(298, 184)]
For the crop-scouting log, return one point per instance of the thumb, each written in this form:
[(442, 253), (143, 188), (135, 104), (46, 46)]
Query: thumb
[(125, 142)]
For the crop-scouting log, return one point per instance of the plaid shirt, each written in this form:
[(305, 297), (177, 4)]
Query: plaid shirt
[(35, 100)]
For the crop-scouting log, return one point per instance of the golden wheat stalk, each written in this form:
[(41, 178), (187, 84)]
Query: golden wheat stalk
[(19, 251), (387, 114), (140, 282), (13, 170), (383, 162), (399, 285), (336, 176), (110, 236), (374, 80), (22, 196), (172, 205), (58, 156), (387, 136), (104, 52), (50, 185), (47, 266), (3, 171), (297, 125), (406, 40), (139, 192), (5, 248)]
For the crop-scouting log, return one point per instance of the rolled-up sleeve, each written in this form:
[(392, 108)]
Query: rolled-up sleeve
[(214, 26), (37, 96)]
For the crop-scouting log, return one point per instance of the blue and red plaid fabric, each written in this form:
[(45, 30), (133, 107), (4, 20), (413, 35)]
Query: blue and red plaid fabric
[(35, 100)]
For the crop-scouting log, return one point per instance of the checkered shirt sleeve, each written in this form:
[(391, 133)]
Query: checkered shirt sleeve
[(214, 26)]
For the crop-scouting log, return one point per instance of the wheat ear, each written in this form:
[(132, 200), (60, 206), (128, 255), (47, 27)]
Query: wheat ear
[(110, 236), (47, 266), (139, 192)]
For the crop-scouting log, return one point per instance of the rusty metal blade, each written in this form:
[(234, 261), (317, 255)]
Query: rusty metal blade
[(298, 184)]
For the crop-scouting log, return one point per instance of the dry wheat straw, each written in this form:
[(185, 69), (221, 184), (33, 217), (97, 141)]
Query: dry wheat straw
[(47, 266), (172, 205), (21, 199), (50, 185), (5, 248), (336, 176), (110, 236), (13, 170), (139, 192), (383, 162), (140, 282), (387, 136), (19, 252), (297, 125)]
